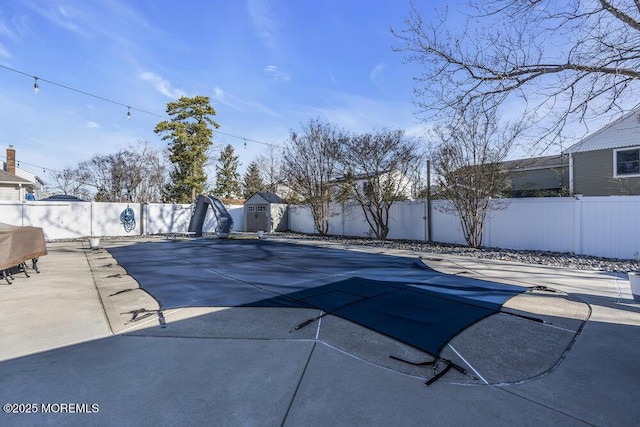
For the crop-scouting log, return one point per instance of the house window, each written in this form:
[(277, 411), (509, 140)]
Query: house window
[(262, 208), (251, 208), (626, 162)]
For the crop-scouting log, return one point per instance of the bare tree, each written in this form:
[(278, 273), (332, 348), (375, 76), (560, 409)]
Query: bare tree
[(133, 175), (379, 170), (467, 166), (566, 60), (271, 164), (71, 182), (310, 165)]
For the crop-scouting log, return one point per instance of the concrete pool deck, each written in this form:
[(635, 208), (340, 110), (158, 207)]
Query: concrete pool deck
[(68, 336)]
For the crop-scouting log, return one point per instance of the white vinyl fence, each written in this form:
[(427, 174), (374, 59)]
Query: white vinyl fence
[(599, 226), (67, 220)]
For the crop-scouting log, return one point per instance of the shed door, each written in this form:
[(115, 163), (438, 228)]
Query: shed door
[(257, 218)]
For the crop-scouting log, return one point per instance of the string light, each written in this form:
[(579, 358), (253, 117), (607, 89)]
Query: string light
[(44, 168), (245, 144), (36, 89)]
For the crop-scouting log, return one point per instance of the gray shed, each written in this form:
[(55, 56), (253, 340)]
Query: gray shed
[(265, 212)]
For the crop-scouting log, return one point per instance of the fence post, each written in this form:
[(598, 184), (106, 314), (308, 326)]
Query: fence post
[(143, 217), (91, 218), (577, 225)]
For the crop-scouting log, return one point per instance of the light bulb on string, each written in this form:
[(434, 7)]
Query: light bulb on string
[(245, 144), (36, 87), (128, 113)]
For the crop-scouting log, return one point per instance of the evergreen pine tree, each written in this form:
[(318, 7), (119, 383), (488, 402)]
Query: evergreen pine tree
[(228, 178), (190, 137), (252, 180)]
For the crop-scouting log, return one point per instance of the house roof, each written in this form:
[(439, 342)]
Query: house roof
[(544, 162), (624, 132), (269, 197), (7, 178), (361, 176)]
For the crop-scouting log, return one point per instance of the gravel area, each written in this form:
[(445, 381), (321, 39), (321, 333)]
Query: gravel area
[(556, 259)]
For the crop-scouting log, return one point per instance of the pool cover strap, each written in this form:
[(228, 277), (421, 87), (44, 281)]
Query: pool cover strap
[(437, 375)]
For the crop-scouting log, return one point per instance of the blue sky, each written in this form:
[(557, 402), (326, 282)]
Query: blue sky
[(268, 66)]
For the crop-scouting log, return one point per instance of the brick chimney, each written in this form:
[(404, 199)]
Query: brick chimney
[(11, 160)]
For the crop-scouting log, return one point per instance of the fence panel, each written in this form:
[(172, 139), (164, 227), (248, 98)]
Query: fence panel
[(300, 219), (445, 225), (63, 220), (164, 218), (609, 226), (106, 219), (11, 213), (354, 222), (408, 220), (532, 224), (237, 213)]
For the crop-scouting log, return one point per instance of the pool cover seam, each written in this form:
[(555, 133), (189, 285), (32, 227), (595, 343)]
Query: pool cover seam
[(295, 392)]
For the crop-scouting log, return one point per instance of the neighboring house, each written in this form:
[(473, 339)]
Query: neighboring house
[(265, 212), (402, 184), (17, 184), (607, 162), (538, 176)]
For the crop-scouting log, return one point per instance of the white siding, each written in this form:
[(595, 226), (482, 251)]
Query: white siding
[(9, 193)]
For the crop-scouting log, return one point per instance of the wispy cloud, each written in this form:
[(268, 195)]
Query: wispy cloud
[(276, 74), (4, 30), (376, 74), (61, 16), (4, 52), (237, 103), (92, 125), (161, 85), (263, 21), (363, 114), (11, 30)]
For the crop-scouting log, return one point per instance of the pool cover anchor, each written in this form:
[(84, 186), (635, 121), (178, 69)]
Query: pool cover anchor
[(434, 365), (123, 291), (136, 313), (309, 321)]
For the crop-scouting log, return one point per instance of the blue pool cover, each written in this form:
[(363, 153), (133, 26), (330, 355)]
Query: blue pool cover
[(397, 296)]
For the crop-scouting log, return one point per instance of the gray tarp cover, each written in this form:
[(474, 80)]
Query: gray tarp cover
[(396, 296)]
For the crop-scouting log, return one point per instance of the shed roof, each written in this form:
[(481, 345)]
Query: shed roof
[(269, 197), (624, 132)]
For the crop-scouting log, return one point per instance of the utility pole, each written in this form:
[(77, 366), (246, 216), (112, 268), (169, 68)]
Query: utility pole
[(429, 235)]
